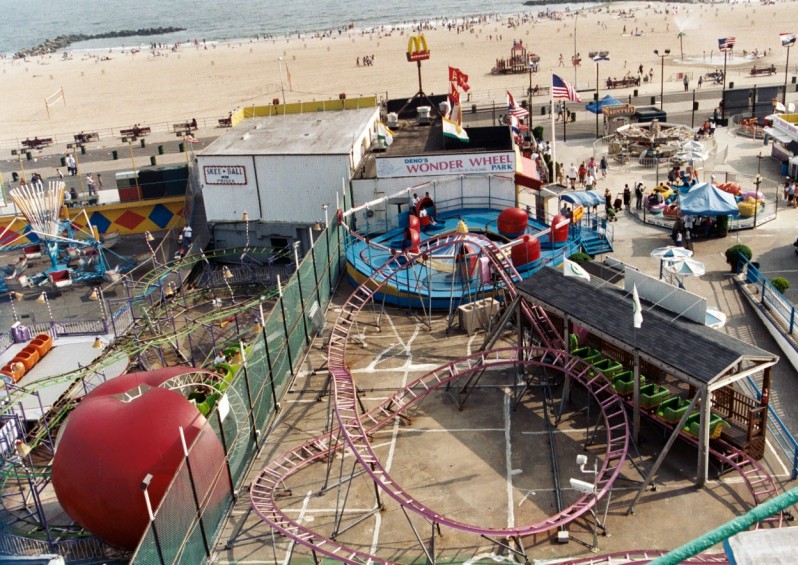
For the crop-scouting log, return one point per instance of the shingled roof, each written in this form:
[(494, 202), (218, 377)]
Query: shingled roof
[(687, 347)]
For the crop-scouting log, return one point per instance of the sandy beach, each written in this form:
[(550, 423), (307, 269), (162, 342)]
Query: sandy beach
[(112, 90)]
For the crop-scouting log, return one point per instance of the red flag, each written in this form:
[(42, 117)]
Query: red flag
[(454, 96), (457, 77)]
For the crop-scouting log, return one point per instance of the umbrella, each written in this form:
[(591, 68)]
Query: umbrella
[(714, 318), (690, 156), (671, 253), (687, 267), (691, 146)]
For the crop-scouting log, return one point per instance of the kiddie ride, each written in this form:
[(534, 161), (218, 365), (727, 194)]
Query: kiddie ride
[(76, 254)]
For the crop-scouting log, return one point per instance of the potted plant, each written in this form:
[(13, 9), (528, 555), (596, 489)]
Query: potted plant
[(580, 257), (734, 253), (780, 283)]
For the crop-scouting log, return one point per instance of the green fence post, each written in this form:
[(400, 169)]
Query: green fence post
[(194, 492), (285, 327), (301, 294), (226, 458), (252, 422)]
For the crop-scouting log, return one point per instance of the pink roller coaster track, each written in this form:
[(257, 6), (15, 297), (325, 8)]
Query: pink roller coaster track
[(269, 481)]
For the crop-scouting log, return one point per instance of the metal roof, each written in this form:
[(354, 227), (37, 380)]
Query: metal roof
[(685, 346), (317, 133)]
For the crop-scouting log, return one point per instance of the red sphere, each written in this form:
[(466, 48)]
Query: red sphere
[(512, 222), (559, 229), (110, 444), (526, 252)]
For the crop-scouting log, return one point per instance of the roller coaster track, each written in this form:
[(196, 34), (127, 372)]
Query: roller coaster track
[(641, 556), (266, 486)]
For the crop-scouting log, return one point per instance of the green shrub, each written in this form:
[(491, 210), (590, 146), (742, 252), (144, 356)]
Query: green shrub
[(580, 257), (537, 132), (733, 253), (780, 283)]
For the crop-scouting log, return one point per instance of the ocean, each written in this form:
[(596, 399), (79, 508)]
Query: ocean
[(28, 23)]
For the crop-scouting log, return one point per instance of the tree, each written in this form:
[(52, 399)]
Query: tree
[(681, 35)]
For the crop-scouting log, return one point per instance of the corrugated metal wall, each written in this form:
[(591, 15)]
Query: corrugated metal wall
[(227, 203), (294, 188)]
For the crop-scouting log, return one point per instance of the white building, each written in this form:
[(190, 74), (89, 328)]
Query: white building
[(281, 171)]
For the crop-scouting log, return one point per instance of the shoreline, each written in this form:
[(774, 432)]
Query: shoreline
[(105, 90)]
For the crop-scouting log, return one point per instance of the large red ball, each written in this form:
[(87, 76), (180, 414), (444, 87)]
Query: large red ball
[(109, 445), (512, 222)]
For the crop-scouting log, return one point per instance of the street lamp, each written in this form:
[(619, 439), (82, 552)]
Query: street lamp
[(786, 68), (757, 182), (282, 88), (589, 488), (661, 74), (597, 57)]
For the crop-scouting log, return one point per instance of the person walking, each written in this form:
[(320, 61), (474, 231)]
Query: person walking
[(603, 165), (71, 164), (572, 172), (700, 81), (627, 197), (686, 82), (639, 196)]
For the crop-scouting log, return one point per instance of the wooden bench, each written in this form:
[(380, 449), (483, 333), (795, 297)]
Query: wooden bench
[(135, 132), (184, 126), (756, 71), (623, 83), (37, 143), (225, 122), (86, 137)]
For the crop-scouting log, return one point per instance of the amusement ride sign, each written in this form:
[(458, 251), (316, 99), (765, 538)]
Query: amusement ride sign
[(226, 174), (477, 163)]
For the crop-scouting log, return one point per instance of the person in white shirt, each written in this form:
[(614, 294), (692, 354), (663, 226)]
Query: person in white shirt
[(187, 233), (572, 174)]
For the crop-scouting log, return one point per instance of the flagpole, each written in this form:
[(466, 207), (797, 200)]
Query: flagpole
[(553, 135)]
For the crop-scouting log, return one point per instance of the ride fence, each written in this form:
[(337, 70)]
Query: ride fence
[(191, 513), (783, 312)]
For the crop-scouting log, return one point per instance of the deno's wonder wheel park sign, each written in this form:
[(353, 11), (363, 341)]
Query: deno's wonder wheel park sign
[(417, 49)]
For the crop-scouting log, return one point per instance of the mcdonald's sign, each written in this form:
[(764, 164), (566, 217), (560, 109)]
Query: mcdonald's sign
[(417, 49)]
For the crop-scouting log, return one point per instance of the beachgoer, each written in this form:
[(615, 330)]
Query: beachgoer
[(90, 185), (71, 164), (627, 197), (686, 82), (572, 174), (603, 165)]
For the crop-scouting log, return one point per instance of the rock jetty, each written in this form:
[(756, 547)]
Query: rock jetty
[(64, 41)]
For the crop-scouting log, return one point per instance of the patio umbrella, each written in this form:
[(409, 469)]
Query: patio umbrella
[(715, 318), (690, 156), (691, 146), (686, 267), (671, 253)]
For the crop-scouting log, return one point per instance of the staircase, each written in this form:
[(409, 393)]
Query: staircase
[(595, 243)]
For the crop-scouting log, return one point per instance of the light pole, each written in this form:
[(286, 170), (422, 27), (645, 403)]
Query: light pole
[(597, 57), (757, 182), (786, 69), (589, 488), (662, 74), (282, 88)]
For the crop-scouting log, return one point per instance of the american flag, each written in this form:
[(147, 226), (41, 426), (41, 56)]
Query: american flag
[(514, 109), (561, 89), (726, 43)]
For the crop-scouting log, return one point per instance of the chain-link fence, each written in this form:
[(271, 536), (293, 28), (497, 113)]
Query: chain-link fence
[(191, 512)]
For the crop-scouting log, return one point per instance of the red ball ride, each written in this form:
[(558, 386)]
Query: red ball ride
[(512, 222), (109, 445)]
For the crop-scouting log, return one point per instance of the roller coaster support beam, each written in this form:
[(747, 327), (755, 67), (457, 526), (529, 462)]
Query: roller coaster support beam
[(663, 453)]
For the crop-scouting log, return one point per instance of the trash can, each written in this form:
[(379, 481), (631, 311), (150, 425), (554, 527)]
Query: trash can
[(794, 79), (543, 110), (114, 155), (573, 116), (474, 107), (731, 85), (153, 161), (82, 149), (653, 100), (635, 93), (28, 156), (181, 147), (14, 176), (160, 150), (63, 161), (143, 142)]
